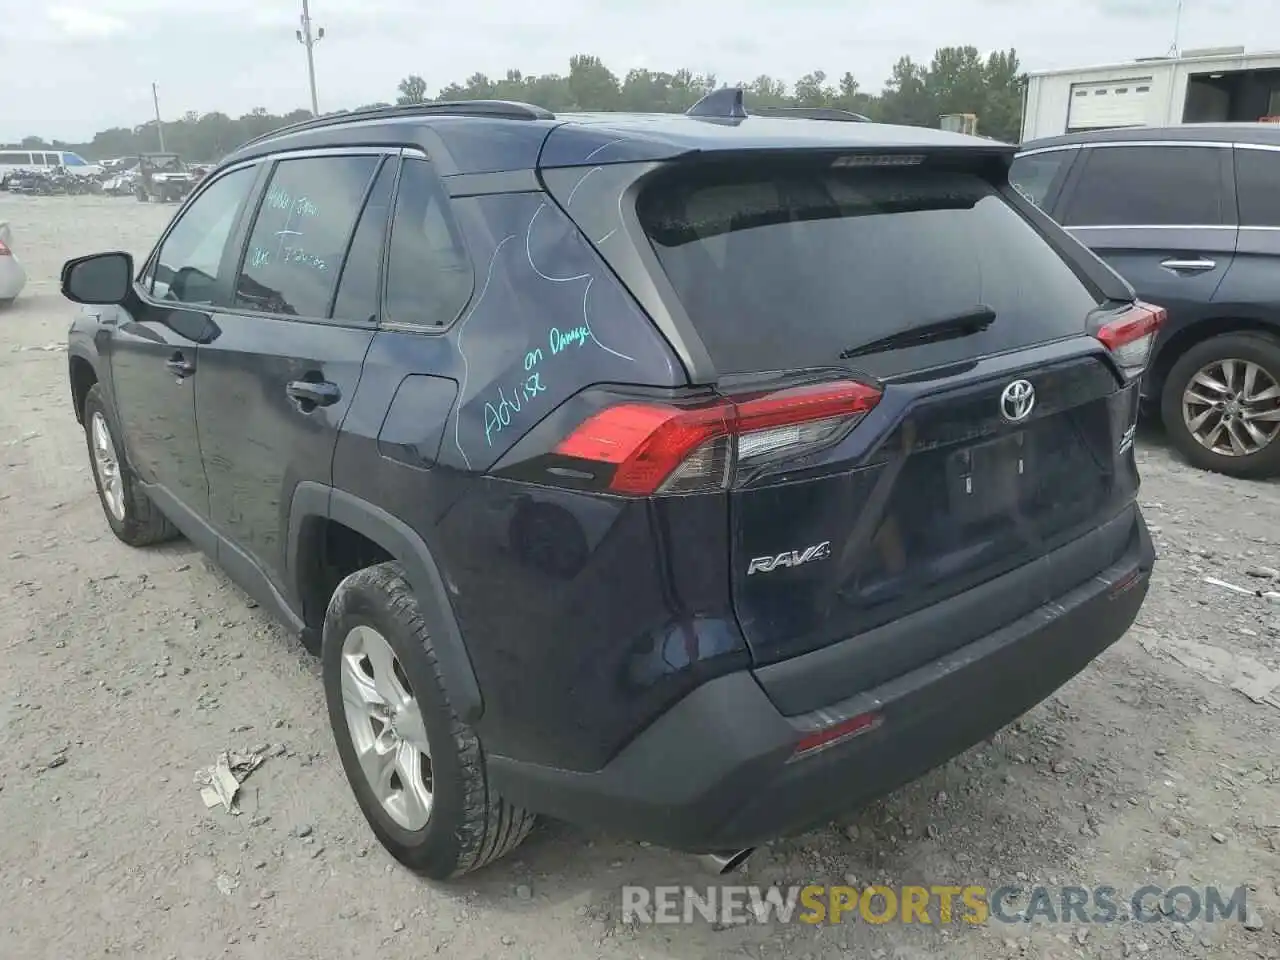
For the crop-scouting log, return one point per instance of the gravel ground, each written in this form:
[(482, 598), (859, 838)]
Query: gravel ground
[(123, 672)]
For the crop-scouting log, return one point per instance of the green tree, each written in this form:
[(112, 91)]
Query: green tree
[(955, 80), (412, 89), (812, 91), (592, 85)]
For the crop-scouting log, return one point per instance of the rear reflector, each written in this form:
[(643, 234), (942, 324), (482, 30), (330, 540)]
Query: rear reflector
[(661, 448), (812, 743), (1130, 336)]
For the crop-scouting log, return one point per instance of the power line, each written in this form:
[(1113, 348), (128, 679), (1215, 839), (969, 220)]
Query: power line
[(308, 40)]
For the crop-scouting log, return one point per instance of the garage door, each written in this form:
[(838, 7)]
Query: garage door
[(1111, 103)]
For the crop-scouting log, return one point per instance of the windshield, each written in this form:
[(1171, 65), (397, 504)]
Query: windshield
[(786, 269), (73, 160), (162, 164)]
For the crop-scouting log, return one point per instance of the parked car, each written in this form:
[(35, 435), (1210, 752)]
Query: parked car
[(1190, 216), (121, 184), (12, 275), (694, 477), (163, 178)]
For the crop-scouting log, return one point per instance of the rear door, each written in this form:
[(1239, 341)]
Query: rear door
[(1252, 289), (276, 382), (1162, 215), (984, 452)]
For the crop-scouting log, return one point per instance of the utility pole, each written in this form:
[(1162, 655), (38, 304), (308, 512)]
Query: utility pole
[(155, 100), (308, 40), (1177, 30)]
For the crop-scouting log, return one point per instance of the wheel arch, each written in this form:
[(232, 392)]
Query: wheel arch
[(82, 374), (316, 505), (1171, 351)]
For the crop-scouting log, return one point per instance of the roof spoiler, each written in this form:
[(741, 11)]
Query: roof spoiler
[(728, 103)]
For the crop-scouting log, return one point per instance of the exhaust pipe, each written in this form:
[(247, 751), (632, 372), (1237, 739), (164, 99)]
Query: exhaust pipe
[(722, 863)]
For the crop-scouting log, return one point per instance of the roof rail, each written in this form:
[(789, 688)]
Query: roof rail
[(506, 109), (727, 103), (811, 113)]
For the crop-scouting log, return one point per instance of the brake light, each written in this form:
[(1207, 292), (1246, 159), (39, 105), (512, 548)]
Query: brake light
[(663, 448), (4, 250), (1131, 336)]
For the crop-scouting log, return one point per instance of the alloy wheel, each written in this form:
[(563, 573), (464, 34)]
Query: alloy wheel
[(1232, 407), (387, 728), (107, 464)]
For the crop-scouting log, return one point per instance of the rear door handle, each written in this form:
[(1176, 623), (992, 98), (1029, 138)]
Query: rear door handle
[(319, 393), (1197, 264), (180, 366)]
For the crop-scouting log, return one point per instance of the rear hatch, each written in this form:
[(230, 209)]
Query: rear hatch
[(921, 469)]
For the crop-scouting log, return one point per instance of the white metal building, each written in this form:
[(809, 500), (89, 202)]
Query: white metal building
[(1221, 85)]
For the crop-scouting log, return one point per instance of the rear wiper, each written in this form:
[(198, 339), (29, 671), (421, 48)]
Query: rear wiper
[(974, 320)]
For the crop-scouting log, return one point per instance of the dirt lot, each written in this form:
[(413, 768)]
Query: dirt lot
[(122, 672)]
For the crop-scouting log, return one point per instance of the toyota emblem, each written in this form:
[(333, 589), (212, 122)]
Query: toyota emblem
[(1017, 401)]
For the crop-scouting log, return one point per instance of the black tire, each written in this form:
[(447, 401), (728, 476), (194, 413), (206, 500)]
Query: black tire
[(1261, 349), (142, 524), (142, 196), (469, 825)]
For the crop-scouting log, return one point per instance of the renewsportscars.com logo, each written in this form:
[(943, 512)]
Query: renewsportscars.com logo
[(940, 904)]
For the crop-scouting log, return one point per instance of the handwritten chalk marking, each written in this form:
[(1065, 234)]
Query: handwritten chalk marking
[(560, 340), (498, 416)]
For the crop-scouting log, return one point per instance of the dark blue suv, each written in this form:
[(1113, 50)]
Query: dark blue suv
[(695, 477)]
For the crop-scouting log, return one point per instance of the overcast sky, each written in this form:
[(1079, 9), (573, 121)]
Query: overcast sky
[(73, 68)]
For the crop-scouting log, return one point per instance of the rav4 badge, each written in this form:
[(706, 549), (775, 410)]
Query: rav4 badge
[(791, 558)]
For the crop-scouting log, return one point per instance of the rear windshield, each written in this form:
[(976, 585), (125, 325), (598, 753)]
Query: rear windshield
[(786, 268)]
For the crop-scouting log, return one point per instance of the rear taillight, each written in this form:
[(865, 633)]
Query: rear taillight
[(4, 250), (1130, 336), (664, 448)]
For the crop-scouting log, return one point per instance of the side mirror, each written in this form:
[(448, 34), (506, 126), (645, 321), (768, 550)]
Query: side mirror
[(101, 279)]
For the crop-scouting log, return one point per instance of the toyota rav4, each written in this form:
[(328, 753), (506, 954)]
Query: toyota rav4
[(697, 477)]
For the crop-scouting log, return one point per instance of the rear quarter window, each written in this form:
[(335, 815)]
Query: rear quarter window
[(1035, 175), (787, 269), (1258, 187)]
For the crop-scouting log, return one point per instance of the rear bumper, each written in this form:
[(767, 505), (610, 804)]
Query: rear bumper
[(715, 772)]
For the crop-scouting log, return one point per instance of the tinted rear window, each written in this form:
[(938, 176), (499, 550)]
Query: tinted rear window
[(785, 270)]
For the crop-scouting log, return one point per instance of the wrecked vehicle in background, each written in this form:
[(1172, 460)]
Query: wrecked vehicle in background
[(162, 177)]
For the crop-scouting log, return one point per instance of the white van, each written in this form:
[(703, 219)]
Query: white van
[(14, 160)]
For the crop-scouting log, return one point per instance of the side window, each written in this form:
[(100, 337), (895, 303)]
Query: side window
[(359, 287), (300, 235), (1034, 175), (1258, 186), (186, 266), (429, 276), (1156, 186), (51, 160)]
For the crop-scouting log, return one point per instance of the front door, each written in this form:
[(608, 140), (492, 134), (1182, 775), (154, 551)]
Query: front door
[(155, 346), (275, 385), (1164, 218)]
